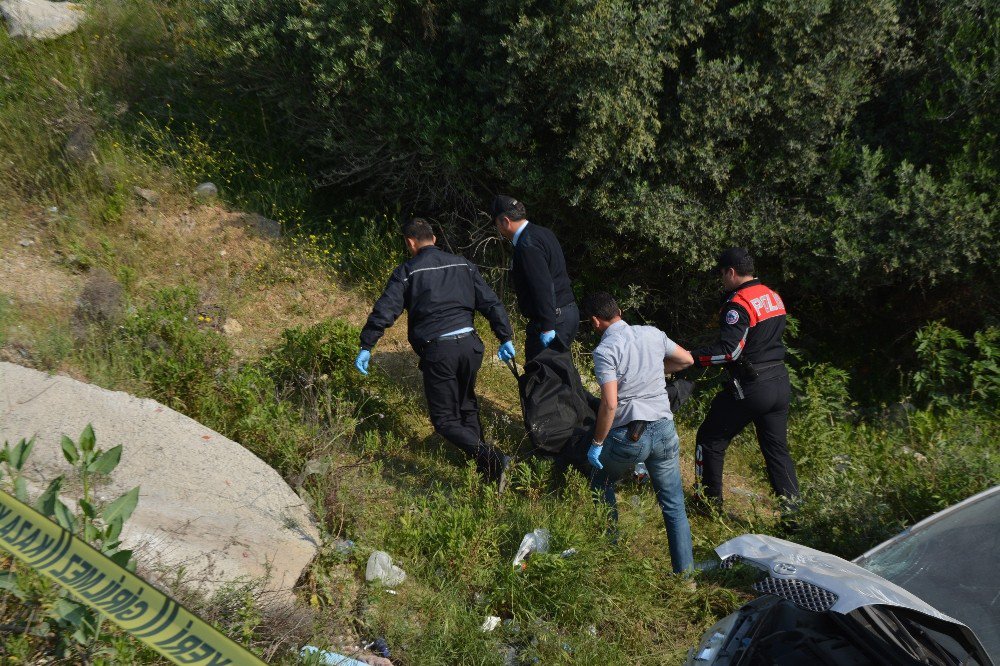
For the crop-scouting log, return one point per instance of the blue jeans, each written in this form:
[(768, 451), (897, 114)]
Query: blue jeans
[(659, 448)]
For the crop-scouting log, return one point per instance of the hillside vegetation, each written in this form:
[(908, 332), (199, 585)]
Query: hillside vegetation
[(161, 96), (850, 145)]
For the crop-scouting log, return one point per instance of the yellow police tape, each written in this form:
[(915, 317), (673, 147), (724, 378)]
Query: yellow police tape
[(116, 593)]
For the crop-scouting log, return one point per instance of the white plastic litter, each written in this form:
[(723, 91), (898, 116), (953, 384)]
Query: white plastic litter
[(569, 552), (535, 541), (490, 623), (381, 568), (343, 546), (330, 658)]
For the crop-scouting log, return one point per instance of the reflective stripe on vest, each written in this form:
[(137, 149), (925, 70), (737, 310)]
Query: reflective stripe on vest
[(760, 302)]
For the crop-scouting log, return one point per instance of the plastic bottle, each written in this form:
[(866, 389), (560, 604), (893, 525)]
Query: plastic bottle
[(641, 473), (329, 658)]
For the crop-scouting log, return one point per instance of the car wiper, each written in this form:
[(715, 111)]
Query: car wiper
[(874, 641), (928, 650), (930, 641)]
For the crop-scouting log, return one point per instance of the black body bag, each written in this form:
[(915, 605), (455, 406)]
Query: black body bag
[(557, 410), (554, 404)]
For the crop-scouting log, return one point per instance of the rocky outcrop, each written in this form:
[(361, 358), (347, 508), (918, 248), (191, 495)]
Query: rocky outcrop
[(41, 19), (207, 506)]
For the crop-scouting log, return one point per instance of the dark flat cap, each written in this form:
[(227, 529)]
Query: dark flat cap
[(508, 207)]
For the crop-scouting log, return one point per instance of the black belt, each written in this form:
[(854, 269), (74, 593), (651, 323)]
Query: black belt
[(560, 309), (737, 383)]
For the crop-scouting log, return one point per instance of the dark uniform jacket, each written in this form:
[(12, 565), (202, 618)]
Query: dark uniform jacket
[(751, 321), (539, 275), (440, 291)]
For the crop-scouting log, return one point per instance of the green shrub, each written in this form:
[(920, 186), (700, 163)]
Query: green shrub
[(306, 358), (985, 369), (941, 351), (870, 481), (820, 422), (171, 353), (370, 252), (956, 371), (850, 146), (248, 408)]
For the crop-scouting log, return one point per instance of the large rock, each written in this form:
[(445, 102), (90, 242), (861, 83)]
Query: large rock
[(79, 146), (264, 226), (101, 303), (207, 506), (41, 19), (206, 190)]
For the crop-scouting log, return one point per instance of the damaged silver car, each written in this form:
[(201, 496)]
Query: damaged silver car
[(930, 595)]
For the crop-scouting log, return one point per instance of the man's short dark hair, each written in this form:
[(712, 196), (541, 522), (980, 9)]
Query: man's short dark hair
[(737, 258), (506, 206), (602, 305), (418, 229)]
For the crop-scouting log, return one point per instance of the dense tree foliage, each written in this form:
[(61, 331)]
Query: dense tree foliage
[(849, 144)]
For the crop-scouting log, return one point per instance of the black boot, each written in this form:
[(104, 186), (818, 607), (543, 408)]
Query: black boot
[(707, 507)]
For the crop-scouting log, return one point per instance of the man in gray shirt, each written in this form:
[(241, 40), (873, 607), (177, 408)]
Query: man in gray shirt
[(634, 422)]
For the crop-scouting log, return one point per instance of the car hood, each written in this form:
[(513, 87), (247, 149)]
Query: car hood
[(852, 585)]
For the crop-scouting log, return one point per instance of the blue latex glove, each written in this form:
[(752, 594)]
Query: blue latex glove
[(547, 337), (594, 456), (361, 362), (507, 351)]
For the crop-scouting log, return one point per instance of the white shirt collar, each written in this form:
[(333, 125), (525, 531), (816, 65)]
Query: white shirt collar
[(517, 234)]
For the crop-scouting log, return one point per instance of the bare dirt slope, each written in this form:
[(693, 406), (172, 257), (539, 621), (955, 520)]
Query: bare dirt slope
[(262, 285), (240, 275)]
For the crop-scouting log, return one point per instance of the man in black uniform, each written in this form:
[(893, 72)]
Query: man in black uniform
[(440, 292), (538, 270), (752, 320)]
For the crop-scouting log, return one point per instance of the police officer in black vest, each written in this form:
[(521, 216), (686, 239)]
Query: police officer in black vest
[(538, 271), (441, 292), (752, 321)]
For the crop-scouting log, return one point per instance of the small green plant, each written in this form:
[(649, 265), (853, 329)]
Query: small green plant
[(382, 250), (113, 206), (6, 316), (45, 608), (943, 363), (100, 527), (955, 370), (985, 370), (307, 357), (175, 357)]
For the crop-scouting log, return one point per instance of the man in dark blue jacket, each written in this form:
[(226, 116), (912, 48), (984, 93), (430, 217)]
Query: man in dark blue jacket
[(441, 292), (538, 271)]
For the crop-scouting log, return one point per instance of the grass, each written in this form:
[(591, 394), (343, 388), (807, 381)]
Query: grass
[(140, 75)]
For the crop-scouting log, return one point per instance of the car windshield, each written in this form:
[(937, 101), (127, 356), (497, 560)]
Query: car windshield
[(952, 564)]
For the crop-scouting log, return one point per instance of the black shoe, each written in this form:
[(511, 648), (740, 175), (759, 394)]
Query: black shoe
[(789, 526), (789, 523), (503, 479), (707, 507)]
